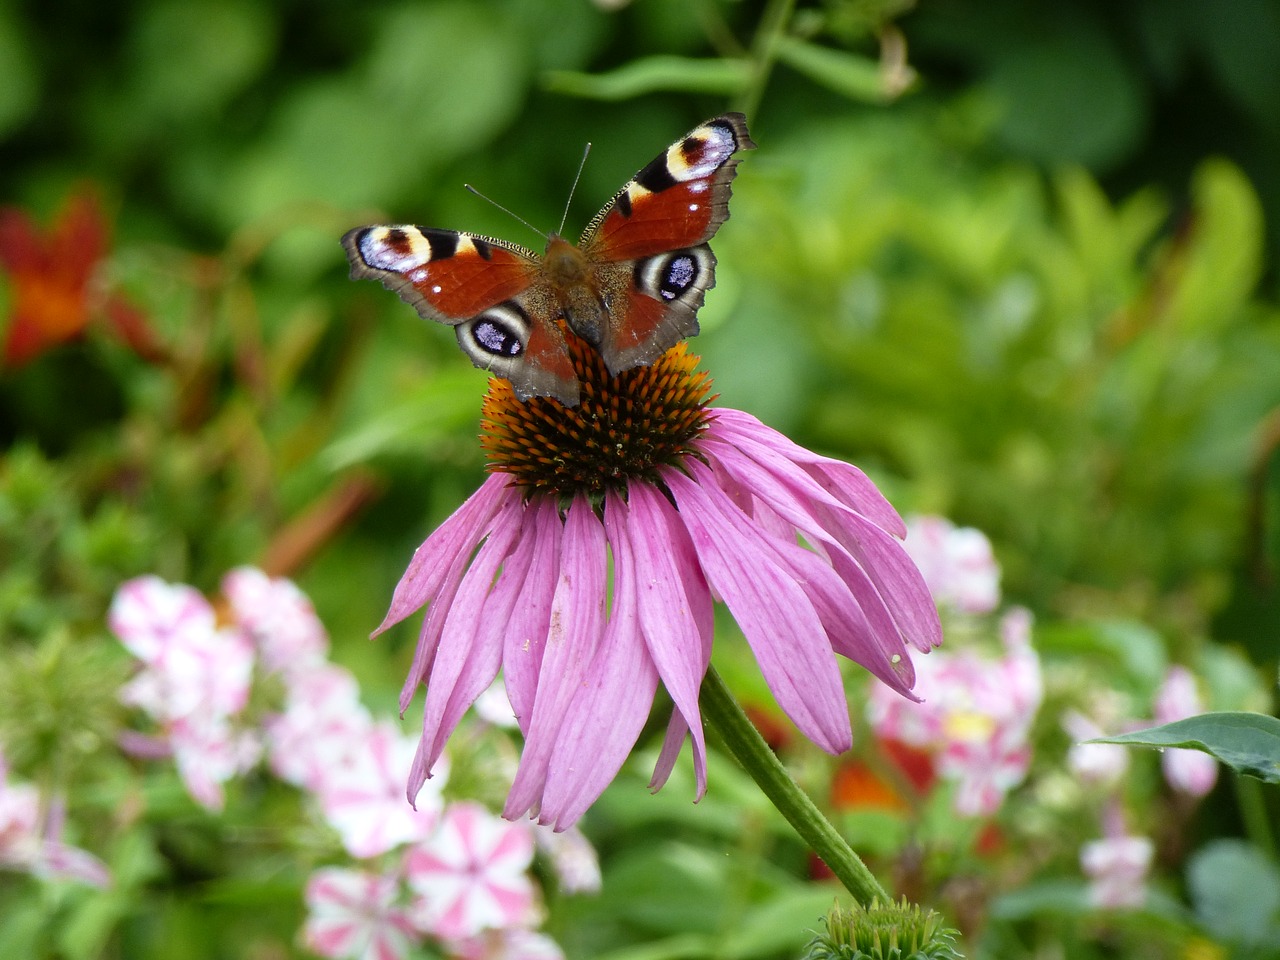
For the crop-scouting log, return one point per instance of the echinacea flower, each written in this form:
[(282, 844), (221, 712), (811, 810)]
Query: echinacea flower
[(54, 282), (680, 503)]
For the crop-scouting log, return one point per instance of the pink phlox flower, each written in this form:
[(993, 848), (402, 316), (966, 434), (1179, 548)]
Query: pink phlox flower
[(510, 584), (19, 821), (323, 729), (195, 678), (471, 875), (209, 751), (208, 672), (356, 914), (1117, 869), (24, 845), (976, 716), (56, 860), (365, 802), (149, 616), (509, 944), (573, 858), (1189, 771), (280, 618), (957, 563), (1095, 764)]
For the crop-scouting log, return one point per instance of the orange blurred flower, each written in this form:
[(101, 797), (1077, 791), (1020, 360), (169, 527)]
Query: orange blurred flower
[(52, 280)]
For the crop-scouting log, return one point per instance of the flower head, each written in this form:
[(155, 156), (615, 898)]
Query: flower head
[(686, 504), (976, 716), (1190, 771), (472, 876), (357, 914), (53, 279)]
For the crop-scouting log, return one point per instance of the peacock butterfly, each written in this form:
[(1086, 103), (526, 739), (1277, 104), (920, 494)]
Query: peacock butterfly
[(631, 287)]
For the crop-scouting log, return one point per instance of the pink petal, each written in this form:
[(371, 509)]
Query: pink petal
[(577, 626), (608, 713), (434, 560), (775, 614), (526, 635), (860, 624), (842, 480), (466, 662), (673, 604)]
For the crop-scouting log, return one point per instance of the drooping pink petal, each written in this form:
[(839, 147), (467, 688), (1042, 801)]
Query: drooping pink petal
[(672, 602), (879, 557), (775, 614), (526, 636), (466, 661), (891, 569), (434, 560), (857, 617), (606, 716), (842, 480), (576, 628)]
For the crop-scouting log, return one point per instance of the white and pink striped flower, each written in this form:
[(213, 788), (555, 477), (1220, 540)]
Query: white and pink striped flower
[(279, 617), (975, 717), (356, 914), (472, 875), (365, 801)]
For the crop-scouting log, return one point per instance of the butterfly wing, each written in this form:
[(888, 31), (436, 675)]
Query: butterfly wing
[(650, 241), (486, 289)]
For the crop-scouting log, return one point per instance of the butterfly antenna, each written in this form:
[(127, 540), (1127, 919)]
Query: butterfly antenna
[(573, 189), (509, 213)]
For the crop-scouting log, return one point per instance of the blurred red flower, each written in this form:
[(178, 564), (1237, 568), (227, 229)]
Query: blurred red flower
[(52, 276)]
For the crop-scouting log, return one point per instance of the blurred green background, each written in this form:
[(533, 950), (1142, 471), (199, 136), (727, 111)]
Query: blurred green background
[(1011, 257)]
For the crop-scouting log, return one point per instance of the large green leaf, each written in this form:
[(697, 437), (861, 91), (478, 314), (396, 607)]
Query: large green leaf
[(1249, 743)]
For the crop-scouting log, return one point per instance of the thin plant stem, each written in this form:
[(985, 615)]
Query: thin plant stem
[(773, 24), (1253, 811), (749, 749)]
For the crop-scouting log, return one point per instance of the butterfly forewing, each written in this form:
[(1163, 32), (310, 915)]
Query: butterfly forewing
[(446, 275), (679, 200)]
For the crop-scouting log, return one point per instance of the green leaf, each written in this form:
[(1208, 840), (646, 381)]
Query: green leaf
[(1236, 892), (650, 74), (1249, 743)]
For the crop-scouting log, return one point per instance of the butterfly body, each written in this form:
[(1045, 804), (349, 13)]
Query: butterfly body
[(631, 287)]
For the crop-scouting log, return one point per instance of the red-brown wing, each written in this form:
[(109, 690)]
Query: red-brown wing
[(679, 200), (487, 290), (445, 275)]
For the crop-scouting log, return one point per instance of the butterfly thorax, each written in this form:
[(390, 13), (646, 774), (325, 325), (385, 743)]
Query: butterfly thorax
[(580, 288)]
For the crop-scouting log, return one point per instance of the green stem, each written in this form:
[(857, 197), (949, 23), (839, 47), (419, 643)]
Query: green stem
[(1253, 811), (773, 24), (748, 747)]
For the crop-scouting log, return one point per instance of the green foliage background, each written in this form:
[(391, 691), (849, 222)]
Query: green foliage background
[(1034, 292)]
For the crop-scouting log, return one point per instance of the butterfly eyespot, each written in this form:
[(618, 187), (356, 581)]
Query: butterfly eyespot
[(501, 332), (670, 276)]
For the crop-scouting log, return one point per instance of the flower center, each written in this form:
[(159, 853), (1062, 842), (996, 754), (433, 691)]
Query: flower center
[(623, 428)]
